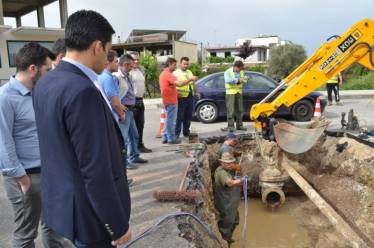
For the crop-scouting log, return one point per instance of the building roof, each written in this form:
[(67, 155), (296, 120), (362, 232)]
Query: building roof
[(14, 8), (139, 32), (36, 31), (229, 48)]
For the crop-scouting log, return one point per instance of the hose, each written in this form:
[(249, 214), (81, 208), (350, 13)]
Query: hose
[(333, 37), (156, 226), (244, 229), (371, 60)]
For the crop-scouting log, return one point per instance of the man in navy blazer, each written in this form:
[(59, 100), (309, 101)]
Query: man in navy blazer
[(85, 192)]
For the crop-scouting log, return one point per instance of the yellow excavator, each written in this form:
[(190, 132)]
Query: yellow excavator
[(356, 45)]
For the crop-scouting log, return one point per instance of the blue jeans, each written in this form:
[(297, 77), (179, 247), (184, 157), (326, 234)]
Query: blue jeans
[(102, 244), (168, 134), (130, 135), (185, 111)]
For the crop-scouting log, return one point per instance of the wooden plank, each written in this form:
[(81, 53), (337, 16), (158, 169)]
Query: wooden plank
[(337, 221)]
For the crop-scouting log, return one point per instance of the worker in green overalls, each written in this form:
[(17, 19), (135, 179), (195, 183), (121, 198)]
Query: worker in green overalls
[(227, 196), (234, 80)]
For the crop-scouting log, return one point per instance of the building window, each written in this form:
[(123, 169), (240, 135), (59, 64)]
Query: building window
[(14, 46), (261, 55), (227, 54), (213, 54)]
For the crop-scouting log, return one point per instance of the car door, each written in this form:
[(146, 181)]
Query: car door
[(257, 88), (220, 93), (213, 88)]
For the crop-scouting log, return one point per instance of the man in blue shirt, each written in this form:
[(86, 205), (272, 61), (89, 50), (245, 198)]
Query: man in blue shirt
[(109, 84), (19, 147)]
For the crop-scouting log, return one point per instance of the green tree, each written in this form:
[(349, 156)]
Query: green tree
[(284, 59), (246, 50), (152, 72)]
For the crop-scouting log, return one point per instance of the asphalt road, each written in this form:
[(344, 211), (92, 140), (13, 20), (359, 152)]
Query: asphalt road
[(165, 169)]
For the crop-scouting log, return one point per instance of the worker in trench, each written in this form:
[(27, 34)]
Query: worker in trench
[(229, 146), (227, 196)]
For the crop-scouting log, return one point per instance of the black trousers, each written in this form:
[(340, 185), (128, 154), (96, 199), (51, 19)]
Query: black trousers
[(330, 89), (139, 118), (184, 117)]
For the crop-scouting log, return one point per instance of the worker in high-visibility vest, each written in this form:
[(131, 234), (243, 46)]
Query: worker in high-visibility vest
[(234, 79), (185, 97), (333, 85)]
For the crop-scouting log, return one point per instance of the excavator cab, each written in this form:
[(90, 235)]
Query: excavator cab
[(334, 56)]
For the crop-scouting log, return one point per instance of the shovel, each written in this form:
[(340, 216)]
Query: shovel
[(296, 140)]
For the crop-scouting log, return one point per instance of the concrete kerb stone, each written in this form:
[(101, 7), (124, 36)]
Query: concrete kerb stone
[(156, 103), (352, 94)]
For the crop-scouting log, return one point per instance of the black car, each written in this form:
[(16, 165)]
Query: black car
[(211, 104)]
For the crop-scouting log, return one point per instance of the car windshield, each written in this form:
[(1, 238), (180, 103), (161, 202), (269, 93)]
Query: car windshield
[(260, 82)]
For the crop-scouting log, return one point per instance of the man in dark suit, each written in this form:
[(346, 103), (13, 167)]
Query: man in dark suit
[(85, 193)]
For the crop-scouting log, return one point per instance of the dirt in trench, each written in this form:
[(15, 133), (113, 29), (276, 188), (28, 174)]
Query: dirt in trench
[(345, 179)]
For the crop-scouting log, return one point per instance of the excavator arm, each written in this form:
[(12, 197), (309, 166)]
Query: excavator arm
[(334, 56)]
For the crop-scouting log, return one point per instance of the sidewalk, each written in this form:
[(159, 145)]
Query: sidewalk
[(345, 94)]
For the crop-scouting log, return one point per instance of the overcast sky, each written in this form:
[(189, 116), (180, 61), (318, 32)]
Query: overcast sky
[(219, 22)]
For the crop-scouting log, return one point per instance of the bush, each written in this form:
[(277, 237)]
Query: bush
[(356, 70), (257, 68), (284, 59), (215, 69), (196, 70), (220, 60), (365, 82)]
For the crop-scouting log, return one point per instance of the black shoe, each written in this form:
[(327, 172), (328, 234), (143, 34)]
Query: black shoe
[(241, 129), (227, 129), (130, 182), (139, 161), (174, 142), (164, 142), (144, 149), (131, 166)]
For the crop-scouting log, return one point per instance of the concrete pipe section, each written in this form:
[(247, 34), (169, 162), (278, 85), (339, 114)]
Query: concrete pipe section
[(271, 183)]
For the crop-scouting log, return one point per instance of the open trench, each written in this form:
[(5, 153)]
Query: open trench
[(345, 179)]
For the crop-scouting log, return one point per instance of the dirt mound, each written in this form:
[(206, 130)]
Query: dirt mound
[(345, 179)]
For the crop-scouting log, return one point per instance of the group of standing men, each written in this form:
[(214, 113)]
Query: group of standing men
[(123, 83), (71, 123), (63, 139), (178, 89)]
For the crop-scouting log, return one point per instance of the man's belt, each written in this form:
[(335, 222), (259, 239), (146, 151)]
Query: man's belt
[(35, 170), (130, 107)]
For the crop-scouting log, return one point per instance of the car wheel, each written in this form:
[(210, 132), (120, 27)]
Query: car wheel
[(302, 110), (207, 112)]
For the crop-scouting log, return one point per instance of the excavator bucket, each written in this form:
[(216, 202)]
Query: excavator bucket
[(296, 140)]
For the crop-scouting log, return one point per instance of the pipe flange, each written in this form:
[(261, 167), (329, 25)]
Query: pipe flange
[(273, 197)]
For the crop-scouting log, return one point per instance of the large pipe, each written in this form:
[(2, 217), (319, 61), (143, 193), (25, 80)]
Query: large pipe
[(272, 194)]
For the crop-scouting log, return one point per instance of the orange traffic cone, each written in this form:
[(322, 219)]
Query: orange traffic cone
[(317, 109), (162, 123)]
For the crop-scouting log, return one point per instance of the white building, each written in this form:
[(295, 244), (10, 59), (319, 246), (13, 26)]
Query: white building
[(262, 45), (13, 38)]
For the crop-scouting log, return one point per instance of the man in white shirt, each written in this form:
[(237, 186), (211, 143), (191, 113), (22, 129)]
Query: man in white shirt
[(138, 78)]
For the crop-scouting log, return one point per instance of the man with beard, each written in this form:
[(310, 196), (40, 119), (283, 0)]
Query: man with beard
[(19, 147)]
